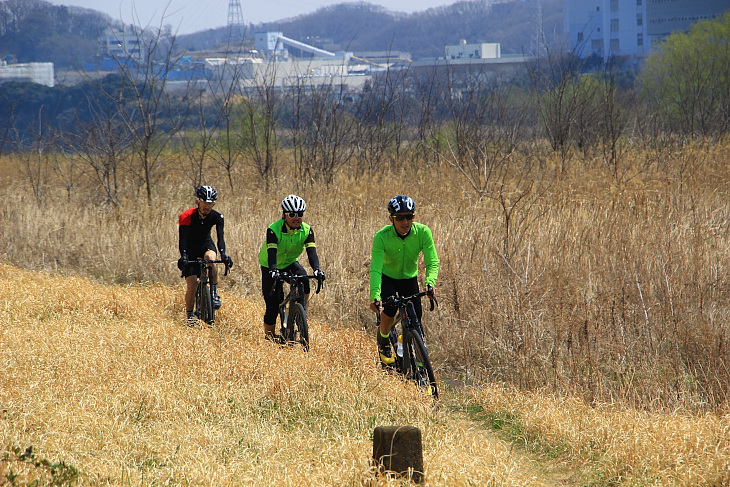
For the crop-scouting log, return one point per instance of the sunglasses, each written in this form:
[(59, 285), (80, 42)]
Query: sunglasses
[(400, 218), (293, 214)]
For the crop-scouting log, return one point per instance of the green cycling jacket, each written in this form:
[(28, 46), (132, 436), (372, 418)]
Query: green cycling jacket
[(397, 257), (289, 243)]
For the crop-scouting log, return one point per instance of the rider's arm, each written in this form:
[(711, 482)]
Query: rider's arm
[(376, 267), (430, 258), (311, 248), (183, 231), (272, 247), (219, 235)]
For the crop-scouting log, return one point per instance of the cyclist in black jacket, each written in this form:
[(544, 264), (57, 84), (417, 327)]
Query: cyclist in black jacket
[(195, 243)]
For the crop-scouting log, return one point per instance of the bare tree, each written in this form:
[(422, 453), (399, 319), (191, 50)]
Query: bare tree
[(258, 121), (102, 143), (559, 98), (149, 111), (322, 129), (485, 128), (30, 147), (225, 96), (380, 114)]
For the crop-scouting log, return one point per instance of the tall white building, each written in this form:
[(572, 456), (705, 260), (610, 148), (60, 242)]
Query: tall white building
[(631, 27), (122, 44)]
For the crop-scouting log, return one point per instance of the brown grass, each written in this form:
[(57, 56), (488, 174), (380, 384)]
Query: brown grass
[(612, 445), (610, 290), (107, 379)]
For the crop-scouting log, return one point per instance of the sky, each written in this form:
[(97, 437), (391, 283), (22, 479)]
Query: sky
[(187, 16)]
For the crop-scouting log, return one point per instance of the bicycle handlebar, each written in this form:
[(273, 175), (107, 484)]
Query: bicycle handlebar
[(293, 278), (203, 262), (397, 301)]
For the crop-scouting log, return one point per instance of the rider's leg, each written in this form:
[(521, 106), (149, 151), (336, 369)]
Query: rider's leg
[(386, 322), (269, 330), (384, 348), (191, 285), (272, 300), (211, 255)]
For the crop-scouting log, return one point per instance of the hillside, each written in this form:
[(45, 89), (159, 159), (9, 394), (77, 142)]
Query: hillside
[(67, 36), (108, 387)]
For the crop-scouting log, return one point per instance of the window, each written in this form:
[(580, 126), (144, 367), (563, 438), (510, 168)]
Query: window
[(614, 46), (614, 5), (638, 3), (580, 37), (639, 20), (614, 25), (597, 44), (639, 39)]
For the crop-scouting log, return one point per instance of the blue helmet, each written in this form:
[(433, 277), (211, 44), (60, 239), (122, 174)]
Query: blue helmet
[(401, 204)]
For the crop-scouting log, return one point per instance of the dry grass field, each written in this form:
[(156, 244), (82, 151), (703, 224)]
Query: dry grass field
[(603, 283), (584, 306), (102, 384), (106, 379)]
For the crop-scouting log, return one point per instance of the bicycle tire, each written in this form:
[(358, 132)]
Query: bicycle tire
[(207, 310), (421, 369), (199, 302), (297, 329)]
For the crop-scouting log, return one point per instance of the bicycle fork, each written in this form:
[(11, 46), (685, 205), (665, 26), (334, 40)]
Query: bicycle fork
[(408, 319)]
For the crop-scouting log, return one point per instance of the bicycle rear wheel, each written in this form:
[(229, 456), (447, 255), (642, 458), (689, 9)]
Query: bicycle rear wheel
[(204, 303), (297, 329), (420, 364)]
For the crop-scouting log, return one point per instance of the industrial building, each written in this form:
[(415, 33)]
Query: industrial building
[(608, 28), (41, 73), (125, 43)]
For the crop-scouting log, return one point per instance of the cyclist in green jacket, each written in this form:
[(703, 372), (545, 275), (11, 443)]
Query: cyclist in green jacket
[(394, 265), (286, 239)]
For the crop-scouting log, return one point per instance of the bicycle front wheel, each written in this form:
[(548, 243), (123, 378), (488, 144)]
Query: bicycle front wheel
[(206, 311), (420, 364), (297, 329)]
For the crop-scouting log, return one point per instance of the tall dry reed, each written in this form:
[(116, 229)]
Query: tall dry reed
[(612, 290)]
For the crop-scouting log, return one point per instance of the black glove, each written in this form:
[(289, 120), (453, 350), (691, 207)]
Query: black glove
[(182, 261), (429, 291), (275, 274), (319, 274), (227, 260)]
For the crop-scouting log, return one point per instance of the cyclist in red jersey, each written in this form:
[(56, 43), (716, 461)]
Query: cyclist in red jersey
[(195, 242)]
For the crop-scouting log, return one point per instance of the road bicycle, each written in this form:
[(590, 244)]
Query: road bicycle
[(407, 341), (293, 309), (204, 308)]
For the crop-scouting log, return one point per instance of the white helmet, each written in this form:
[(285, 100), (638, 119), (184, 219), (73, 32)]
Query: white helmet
[(293, 203), (206, 194)]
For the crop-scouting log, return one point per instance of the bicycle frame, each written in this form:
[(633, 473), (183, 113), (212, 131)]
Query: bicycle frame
[(296, 289), (292, 309), (413, 342), (203, 303)]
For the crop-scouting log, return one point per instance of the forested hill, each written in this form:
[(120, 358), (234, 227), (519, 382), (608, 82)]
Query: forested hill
[(362, 26), (38, 31)]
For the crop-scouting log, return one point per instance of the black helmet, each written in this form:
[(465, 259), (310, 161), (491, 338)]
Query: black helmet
[(293, 203), (401, 204), (206, 194)]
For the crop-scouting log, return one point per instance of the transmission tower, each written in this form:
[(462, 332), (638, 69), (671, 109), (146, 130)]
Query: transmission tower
[(235, 22), (539, 31)]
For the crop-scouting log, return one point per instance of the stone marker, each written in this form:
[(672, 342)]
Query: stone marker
[(398, 449)]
